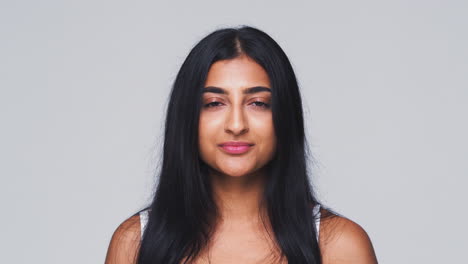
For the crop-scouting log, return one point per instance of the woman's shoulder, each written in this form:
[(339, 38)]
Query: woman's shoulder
[(343, 240), (125, 241)]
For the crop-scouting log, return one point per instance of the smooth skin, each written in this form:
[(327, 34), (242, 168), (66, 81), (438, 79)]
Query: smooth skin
[(232, 114)]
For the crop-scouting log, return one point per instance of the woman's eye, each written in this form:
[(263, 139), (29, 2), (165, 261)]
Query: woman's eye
[(261, 104), (212, 104), (256, 104)]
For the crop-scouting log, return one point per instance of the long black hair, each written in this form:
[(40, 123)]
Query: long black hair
[(183, 212)]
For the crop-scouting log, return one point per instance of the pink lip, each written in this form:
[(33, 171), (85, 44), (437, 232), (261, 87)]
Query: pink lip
[(235, 147)]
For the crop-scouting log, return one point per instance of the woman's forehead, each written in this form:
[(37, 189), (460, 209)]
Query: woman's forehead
[(237, 73)]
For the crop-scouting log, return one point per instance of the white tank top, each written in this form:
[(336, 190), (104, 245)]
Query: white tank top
[(315, 213)]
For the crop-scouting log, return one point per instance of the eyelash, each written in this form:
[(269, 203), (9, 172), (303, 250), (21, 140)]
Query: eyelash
[(263, 105)]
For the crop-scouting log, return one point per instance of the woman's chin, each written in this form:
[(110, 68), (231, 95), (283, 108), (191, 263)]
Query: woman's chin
[(237, 172)]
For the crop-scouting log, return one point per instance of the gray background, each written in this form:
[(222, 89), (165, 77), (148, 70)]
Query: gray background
[(83, 90)]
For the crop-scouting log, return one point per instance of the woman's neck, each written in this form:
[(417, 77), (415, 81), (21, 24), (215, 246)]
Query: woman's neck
[(238, 198)]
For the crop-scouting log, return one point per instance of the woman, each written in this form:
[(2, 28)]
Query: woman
[(233, 185)]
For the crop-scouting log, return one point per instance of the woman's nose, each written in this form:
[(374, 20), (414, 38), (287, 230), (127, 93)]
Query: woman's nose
[(236, 123)]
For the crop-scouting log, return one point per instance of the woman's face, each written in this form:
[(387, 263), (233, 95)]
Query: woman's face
[(236, 108)]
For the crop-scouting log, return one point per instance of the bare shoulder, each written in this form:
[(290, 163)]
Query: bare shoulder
[(125, 242), (344, 241)]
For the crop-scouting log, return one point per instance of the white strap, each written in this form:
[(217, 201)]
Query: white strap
[(143, 221), (316, 214)]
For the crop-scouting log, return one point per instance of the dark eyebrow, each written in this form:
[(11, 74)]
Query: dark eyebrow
[(250, 90)]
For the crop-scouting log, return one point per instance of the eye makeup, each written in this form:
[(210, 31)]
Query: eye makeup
[(255, 103)]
